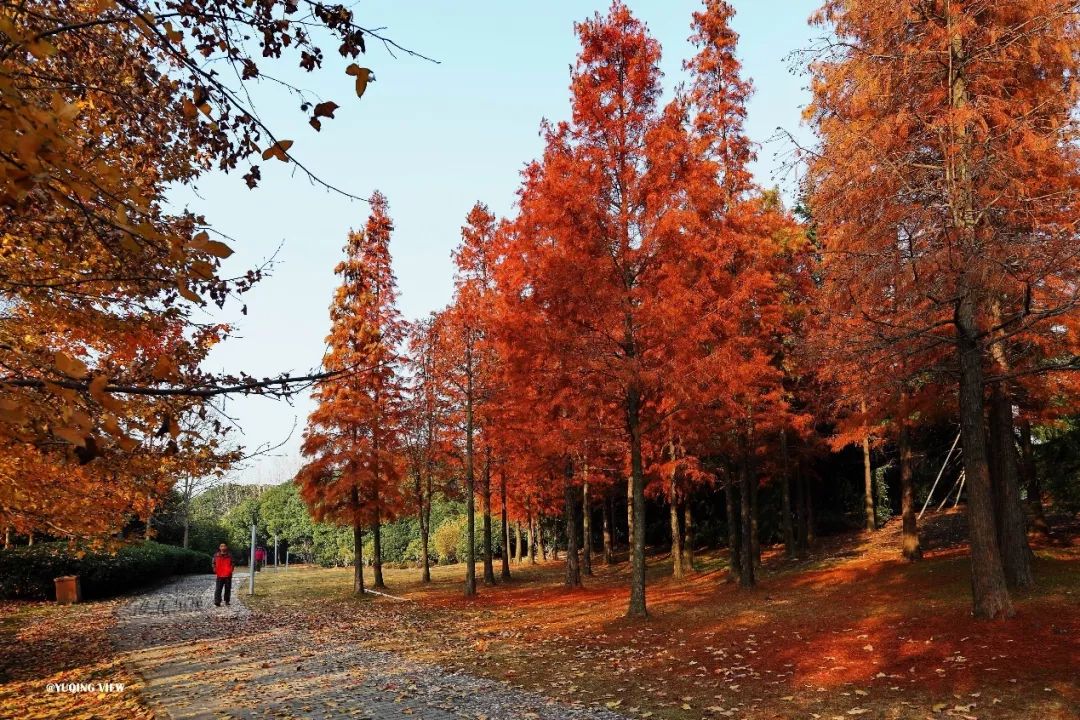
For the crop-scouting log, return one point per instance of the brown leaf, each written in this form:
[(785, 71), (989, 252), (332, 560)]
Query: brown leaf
[(326, 109), (278, 150), (363, 77)]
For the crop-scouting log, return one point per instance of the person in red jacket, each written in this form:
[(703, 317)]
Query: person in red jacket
[(223, 571)]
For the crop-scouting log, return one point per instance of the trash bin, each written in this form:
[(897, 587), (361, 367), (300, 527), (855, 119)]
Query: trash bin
[(68, 589)]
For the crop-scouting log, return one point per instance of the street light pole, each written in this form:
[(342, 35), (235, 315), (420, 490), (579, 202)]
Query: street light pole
[(251, 563)]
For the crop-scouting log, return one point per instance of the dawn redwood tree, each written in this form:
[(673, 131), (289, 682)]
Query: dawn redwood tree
[(638, 254), (584, 232), (747, 301), (426, 419), (948, 136), (467, 364), (354, 437)]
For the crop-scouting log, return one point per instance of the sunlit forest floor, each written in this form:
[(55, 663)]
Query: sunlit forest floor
[(849, 632)]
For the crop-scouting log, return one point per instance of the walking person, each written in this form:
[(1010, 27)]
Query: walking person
[(223, 569)]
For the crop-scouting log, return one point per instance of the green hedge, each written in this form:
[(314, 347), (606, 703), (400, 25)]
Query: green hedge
[(28, 572)]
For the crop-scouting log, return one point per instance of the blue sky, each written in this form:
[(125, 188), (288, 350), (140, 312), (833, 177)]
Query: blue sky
[(434, 139)]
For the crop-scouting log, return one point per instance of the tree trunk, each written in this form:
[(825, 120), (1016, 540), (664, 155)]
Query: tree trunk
[(505, 529), (636, 607), (489, 568), (7, 538), (755, 489), (540, 536), (532, 535), (358, 559), (606, 519), (808, 496), (868, 483), (785, 498), (688, 537), (912, 549), (586, 527), (470, 484), (630, 513), (733, 532), (425, 529), (573, 566), (1031, 480), (676, 531), (746, 523), (676, 540), (187, 511), (518, 545), (989, 590), (425, 575), (376, 561), (801, 545), (1004, 477)]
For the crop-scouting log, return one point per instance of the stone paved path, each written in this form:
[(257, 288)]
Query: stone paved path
[(200, 661)]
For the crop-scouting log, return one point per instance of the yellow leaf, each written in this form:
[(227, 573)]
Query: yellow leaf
[(163, 368), (41, 49), (202, 243), (202, 270), (112, 404), (72, 367), (186, 293), (112, 426), (172, 33), (72, 435), (81, 420), (11, 413), (363, 77), (97, 387)]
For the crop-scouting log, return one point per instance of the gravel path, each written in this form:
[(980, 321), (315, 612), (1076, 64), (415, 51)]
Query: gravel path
[(201, 661)]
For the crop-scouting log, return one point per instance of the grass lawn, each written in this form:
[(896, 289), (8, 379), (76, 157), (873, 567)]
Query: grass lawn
[(851, 632)]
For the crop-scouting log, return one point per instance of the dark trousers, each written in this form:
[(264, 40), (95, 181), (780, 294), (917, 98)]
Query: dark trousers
[(226, 583)]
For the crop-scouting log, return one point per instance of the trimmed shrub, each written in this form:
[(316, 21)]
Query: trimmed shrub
[(28, 572), (446, 538)]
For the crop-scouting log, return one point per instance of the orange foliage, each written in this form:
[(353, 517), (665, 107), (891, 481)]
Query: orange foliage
[(354, 435)]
